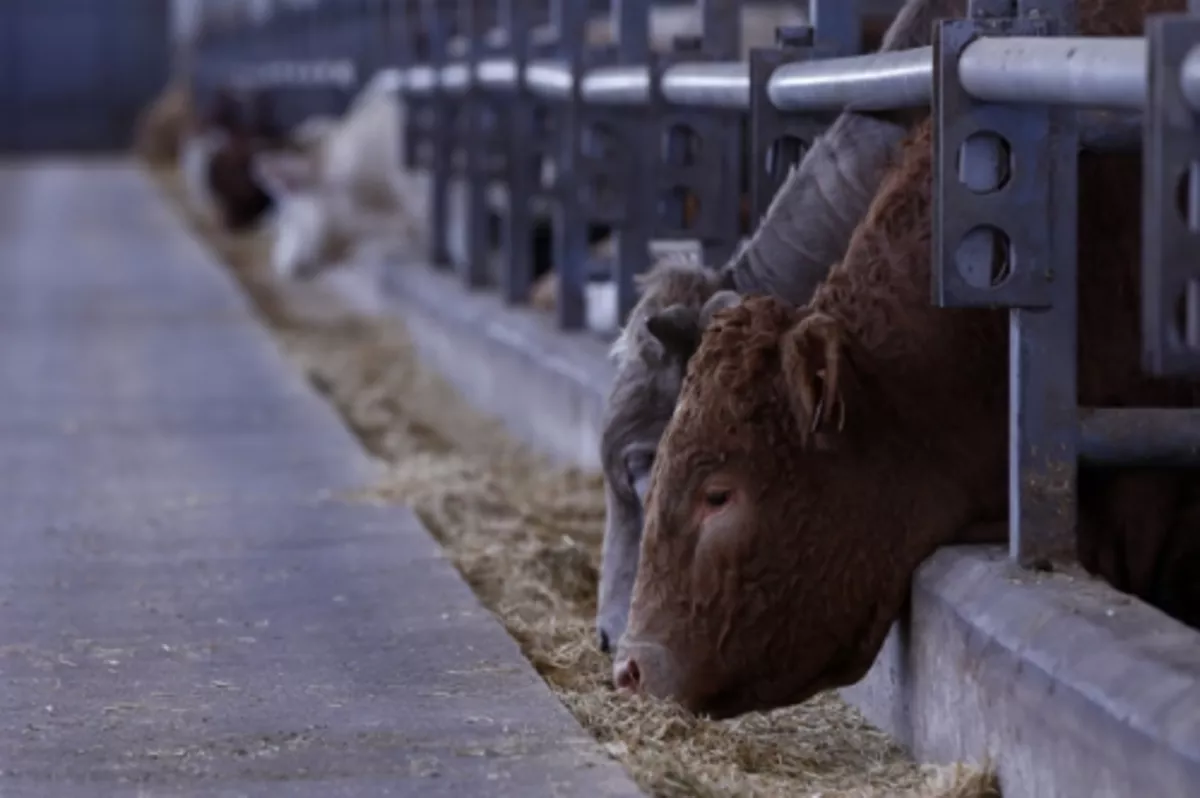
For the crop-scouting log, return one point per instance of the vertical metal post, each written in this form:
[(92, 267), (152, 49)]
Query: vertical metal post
[(778, 140), (473, 140), (638, 139), (1006, 237), (435, 23), (837, 25), (722, 131), (570, 226), (1171, 201), (698, 152), (721, 28), (517, 19), (416, 107)]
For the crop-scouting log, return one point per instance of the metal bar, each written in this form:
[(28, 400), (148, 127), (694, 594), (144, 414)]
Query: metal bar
[(454, 78), (421, 79), (1170, 203), (778, 140), (1100, 72), (497, 73), (475, 139), (492, 73), (433, 18), (550, 79), (570, 227), (1150, 437), (724, 84), (631, 20), (1006, 237), (517, 279), (837, 26), (1189, 77), (616, 85), (875, 82), (717, 187), (1072, 71)]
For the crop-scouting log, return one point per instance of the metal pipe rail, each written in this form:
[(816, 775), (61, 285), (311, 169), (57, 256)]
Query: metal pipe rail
[(704, 85), (1070, 71), (1092, 72)]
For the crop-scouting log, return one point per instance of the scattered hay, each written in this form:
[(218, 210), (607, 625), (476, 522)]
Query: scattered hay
[(527, 538), (160, 127)]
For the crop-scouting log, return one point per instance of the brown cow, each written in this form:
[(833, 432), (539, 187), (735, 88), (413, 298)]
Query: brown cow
[(806, 230), (818, 454)]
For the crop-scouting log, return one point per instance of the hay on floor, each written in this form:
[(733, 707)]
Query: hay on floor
[(526, 536)]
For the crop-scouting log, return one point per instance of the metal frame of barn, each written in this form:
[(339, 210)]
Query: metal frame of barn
[(1070, 691)]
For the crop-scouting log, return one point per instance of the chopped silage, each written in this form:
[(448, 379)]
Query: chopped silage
[(526, 536)]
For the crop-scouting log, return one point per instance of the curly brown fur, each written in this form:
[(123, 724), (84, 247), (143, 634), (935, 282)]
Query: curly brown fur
[(818, 454)]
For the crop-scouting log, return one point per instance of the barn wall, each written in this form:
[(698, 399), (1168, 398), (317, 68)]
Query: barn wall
[(74, 74)]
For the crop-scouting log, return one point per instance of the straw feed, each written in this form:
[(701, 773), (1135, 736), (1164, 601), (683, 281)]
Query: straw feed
[(526, 536)]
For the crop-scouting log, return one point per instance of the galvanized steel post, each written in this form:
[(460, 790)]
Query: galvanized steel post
[(778, 139), (637, 141), (1171, 199), (569, 18), (476, 131), (521, 158), (697, 178), (418, 107), (1004, 233), (435, 23)]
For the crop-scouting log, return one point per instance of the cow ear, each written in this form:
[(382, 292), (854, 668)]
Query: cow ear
[(812, 355), (677, 328), (722, 300)]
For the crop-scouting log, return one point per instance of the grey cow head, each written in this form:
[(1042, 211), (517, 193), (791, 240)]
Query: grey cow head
[(678, 297)]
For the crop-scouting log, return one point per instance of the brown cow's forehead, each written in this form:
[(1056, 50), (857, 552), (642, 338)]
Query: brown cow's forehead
[(733, 401)]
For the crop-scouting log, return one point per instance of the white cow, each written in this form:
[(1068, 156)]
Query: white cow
[(346, 185)]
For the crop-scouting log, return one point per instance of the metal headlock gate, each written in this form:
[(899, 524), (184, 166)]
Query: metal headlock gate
[(74, 74), (1012, 70)]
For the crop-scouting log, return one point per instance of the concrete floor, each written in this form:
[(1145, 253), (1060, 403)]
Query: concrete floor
[(187, 606)]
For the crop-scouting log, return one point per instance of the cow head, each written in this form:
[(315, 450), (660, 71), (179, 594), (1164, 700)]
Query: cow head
[(776, 549), (242, 200), (678, 296)]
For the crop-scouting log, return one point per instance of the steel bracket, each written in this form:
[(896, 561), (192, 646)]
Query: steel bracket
[(1171, 203), (1005, 212), (778, 140)]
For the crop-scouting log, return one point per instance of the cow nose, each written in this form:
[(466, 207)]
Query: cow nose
[(627, 675)]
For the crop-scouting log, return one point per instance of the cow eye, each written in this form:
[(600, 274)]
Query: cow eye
[(638, 463), (716, 499)]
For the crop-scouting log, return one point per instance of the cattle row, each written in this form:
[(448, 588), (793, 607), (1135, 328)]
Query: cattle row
[(942, 292)]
